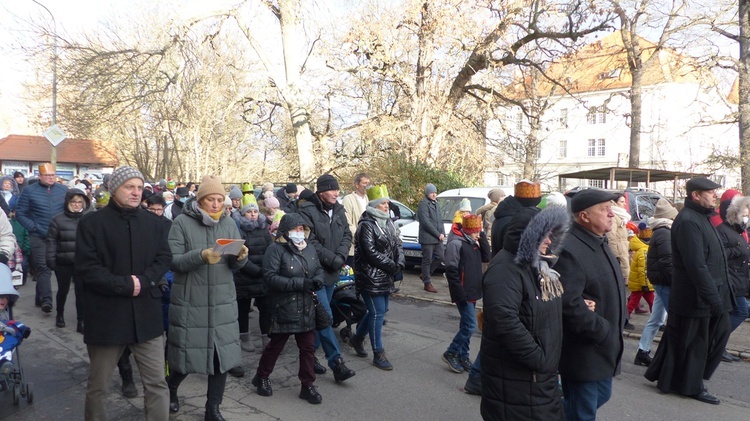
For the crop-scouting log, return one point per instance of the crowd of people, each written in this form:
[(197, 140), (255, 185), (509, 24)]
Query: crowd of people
[(182, 265)]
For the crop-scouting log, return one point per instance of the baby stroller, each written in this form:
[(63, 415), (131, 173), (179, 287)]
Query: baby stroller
[(12, 333), (346, 306)]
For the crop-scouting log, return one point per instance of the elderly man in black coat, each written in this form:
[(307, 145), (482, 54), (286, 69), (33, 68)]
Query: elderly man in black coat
[(698, 327), (592, 341), (121, 256)]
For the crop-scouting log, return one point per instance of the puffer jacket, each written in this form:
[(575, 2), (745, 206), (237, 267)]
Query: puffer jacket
[(249, 280), (659, 264), (378, 255), (285, 269), (738, 257), (203, 307), (330, 236), (61, 235), (522, 335), (37, 205), (638, 278), (463, 266)]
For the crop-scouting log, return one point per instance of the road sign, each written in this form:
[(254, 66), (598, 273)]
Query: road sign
[(55, 135)]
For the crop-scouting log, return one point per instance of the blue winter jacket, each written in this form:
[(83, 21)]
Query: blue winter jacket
[(37, 205)]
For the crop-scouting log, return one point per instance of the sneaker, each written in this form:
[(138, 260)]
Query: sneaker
[(262, 385), (379, 360), (310, 394), (341, 372), (358, 344), (429, 288), (629, 326), (642, 358), (465, 362), (47, 308), (453, 363), (236, 371), (319, 368)]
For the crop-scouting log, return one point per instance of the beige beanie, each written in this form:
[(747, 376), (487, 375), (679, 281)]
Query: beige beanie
[(210, 184)]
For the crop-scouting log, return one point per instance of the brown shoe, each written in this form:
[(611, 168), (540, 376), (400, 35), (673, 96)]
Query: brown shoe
[(429, 288)]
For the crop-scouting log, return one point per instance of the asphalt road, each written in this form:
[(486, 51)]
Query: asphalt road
[(420, 388)]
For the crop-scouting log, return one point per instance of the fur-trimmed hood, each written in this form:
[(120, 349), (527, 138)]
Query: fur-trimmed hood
[(553, 221)]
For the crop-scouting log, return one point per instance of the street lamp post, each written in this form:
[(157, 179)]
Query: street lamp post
[(53, 155)]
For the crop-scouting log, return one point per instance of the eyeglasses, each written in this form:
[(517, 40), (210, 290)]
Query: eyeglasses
[(156, 210)]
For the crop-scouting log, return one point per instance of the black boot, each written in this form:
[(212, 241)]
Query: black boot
[(79, 326), (236, 371), (642, 358), (174, 401), (473, 385), (128, 387), (310, 394), (60, 320), (263, 386), (381, 361), (341, 372), (212, 413), (319, 368), (358, 344)]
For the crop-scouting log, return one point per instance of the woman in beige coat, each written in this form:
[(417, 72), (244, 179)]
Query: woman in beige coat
[(618, 237)]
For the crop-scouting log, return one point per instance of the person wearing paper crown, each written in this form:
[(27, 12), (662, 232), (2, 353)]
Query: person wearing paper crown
[(463, 209), (204, 335), (378, 256), (464, 256)]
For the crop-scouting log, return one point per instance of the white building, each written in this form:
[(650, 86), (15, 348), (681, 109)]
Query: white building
[(589, 127)]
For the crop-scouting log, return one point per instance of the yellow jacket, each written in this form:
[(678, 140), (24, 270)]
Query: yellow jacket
[(638, 279)]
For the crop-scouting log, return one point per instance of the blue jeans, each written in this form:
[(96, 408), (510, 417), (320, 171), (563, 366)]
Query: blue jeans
[(327, 337), (657, 318), (372, 323), (582, 399), (739, 312), (466, 328)]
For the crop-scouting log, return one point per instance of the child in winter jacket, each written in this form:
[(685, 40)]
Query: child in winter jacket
[(12, 332), (464, 256), (638, 282)]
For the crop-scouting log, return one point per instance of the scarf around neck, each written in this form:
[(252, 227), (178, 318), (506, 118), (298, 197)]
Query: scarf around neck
[(380, 217)]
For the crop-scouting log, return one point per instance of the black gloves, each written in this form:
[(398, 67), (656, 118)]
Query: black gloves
[(3, 258), (163, 285), (337, 262), (312, 284)]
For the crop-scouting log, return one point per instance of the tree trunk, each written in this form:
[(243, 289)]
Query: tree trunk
[(423, 76), (744, 94), (289, 20), (635, 118)]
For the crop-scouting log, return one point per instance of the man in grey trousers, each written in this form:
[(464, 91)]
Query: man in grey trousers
[(431, 236)]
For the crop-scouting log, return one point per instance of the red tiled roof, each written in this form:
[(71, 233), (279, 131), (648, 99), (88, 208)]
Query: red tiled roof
[(71, 151)]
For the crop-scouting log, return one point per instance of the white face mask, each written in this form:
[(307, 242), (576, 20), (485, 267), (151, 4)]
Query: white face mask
[(297, 237), (745, 219)]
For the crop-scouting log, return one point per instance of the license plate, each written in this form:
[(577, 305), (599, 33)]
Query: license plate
[(413, 253)]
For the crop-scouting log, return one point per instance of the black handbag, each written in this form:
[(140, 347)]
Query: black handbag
[(322, 318)]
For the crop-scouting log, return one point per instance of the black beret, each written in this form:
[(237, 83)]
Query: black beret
[(290, 188), (585, 199), (700, 183), (326, 182), (182, 192)]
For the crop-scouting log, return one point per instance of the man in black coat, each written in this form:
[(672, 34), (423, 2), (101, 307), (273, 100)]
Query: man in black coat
[(121, 256), (592, 341), (700, 300), (331, 237), (431, 236)]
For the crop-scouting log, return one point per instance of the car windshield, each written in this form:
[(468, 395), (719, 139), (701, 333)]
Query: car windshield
[(447, 206)]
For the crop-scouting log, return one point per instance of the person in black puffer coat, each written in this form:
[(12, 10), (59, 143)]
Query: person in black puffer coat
[(522, 335), (378, 256), (526, 194), (734, 237), (61, 247), (249, 279), (292, 271)]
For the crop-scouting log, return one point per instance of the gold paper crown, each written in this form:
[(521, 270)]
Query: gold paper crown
[(471, 223)]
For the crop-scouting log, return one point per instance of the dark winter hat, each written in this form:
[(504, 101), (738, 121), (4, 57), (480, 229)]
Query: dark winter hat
[(182, 192), (325, 182), (430, 188), (644, 232), (86, 183), (17, 174), (290, 188), (121, 175), (699, 184), (146, 194), (585, 199)]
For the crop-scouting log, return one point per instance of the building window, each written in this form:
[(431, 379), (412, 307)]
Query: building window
[(599, 184), (596, 147), (519, 121), (562, 151), (596, 115), (564, 117)]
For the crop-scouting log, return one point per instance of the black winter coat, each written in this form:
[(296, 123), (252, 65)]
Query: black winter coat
[(522, 333), (330, 236), (285, 269), (503, 214), (700, 278), (659, 257), (378, 255), (463, 267), (738, 258), (430, 223), (111, 245), (249, 279), (592, 341), (61, 235)]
